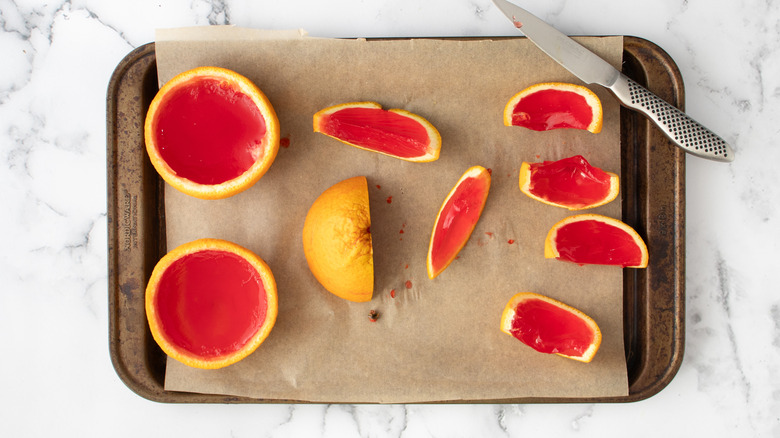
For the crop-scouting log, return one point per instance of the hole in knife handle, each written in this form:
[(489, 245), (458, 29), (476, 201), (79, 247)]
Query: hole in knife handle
[(683, 129)]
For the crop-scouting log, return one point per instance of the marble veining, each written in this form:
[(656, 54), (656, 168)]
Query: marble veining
[(56, 59)]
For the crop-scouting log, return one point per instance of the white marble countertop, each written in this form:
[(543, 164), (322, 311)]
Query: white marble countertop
[(56, 59)]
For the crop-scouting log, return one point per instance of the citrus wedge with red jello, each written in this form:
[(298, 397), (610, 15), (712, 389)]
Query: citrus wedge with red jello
[(211, 133), (210, 303), (555, 105), (550, 326), (569, 183), (394, 132)]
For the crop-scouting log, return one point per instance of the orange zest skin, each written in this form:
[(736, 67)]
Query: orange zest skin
[(527, 180), (154, 318), (268, 146), (509, 314), (337, 240), (591, 100), (459, 216), (431, 149), (552, 249)]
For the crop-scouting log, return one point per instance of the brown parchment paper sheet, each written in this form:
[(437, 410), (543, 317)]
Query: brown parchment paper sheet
[(437, 340)]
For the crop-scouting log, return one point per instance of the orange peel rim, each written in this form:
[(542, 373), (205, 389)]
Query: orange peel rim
[(185, 357), (270, 145)]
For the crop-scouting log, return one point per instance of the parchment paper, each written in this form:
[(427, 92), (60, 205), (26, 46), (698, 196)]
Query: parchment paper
[(436, 340)]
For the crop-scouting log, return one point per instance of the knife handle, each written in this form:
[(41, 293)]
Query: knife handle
[(685, 132)]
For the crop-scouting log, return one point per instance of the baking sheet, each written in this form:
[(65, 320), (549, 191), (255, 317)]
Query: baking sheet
[(439, 339)]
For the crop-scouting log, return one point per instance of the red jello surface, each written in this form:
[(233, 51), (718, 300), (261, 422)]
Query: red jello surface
[(458, 218), (378, 130), (211, 303), (209, 132), (570, 181), (549, 329), (594, 242), (552, 109)]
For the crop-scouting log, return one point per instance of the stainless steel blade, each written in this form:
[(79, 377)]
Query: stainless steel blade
[(684, 132), (583, 63)]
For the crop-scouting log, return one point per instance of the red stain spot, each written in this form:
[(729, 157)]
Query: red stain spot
[(378, 186), (389, 199), (284, 142), (490, 170), (457, 257), (510, 241), (407, 267), (392, 293), (489, 233), (402, 231), (538, 156), (408, 284)]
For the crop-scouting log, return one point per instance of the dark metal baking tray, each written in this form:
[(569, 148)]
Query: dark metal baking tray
[(653, 187)]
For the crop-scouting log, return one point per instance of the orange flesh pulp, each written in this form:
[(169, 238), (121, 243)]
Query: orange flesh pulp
[(570, 181), (552, 109), (458, 218), (549, 329), (210, 303), (208, 132), (378, 130), (594, 242)]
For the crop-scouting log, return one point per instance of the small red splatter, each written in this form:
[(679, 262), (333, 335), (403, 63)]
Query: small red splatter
[(378, 186), (489, 233), (401, 231), (373, 316), (408, 284), (457, 257), (389, 199), (490, 170), (407, 266), (538, 156), (284, 142), (392, 293), (510, 241)]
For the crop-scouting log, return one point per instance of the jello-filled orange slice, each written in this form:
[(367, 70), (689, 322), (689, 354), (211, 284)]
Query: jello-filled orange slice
[(554, 105), (457, 218), (210, 303), (570, 183), (550, 326), (592, 239), (211, 133), (394, 132)]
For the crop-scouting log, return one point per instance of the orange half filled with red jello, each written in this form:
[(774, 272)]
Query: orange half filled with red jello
[(210, 303), (211, 133)]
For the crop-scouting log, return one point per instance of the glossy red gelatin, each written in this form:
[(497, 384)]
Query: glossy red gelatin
[(209, 132), (379, 130), (549, 329), (571, 181), (552, 109), (458, 218), (594, 242), (210, 303)]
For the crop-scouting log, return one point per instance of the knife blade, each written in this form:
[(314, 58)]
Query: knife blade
[(682, 130)]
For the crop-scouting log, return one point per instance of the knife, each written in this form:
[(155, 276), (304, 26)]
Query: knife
[(684, 132)]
